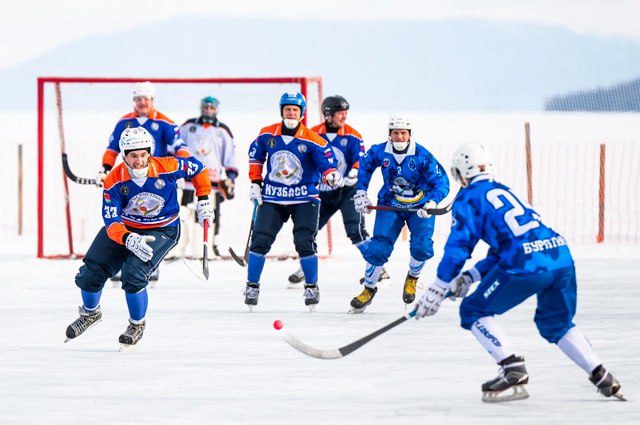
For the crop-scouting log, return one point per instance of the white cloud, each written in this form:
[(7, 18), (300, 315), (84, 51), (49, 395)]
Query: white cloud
[(27, 34)]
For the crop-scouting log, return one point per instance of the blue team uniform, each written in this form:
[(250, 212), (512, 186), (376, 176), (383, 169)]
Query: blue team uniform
[(164, 131), (294, 164), (525, 257), (145, 206), (410, 180)]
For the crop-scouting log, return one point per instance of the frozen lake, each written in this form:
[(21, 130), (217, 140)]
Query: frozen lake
[(205, 359)]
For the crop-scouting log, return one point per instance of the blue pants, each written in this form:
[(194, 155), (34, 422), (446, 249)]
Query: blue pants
[(388, 226), (499, 292), (105, 258)]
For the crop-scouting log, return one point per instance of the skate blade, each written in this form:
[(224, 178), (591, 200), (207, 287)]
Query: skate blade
[(312, 308), (292, 285), (250, 307), (619, 396), (124, 348), (354, 310), (519, 393)]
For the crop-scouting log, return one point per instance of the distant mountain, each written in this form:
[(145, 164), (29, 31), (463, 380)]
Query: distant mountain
[(397, 65), (624, 97)]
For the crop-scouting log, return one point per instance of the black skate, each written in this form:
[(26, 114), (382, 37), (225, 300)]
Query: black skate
[(606, 383), (409, 291), (360, 303), (131, 336), (513, 375), (86, 320), (383, 275), (311, 296), (295, 279), (251, 294)]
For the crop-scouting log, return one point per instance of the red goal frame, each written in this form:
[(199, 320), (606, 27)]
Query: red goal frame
[(304, 83)]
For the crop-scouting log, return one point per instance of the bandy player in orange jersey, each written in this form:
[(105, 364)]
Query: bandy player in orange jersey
[(140, 211)]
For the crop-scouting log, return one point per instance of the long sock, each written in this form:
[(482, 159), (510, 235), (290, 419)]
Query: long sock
[(489, 333), (578, 349), (137, 303), (371, 275), (90, 300), (415, 267), (255, 266), (309, 265)]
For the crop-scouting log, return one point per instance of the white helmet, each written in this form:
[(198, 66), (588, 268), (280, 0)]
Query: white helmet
[(144, 89), (135, 138), (398, 122), (470, 160)]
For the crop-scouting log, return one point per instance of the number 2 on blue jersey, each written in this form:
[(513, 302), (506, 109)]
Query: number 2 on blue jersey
[(496, 196)]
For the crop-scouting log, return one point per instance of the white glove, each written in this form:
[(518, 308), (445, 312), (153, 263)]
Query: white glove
[(430, 301), (423, 213), (138, 245), (361, 201), (255, 193), (460, 285), (352, 177), (334, 179), (204, 211), (100, 177)]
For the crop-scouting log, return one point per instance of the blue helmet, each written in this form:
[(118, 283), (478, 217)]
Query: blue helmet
[(210, 100), (293, 98)]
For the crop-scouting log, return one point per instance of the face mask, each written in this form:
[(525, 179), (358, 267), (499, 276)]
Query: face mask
[(290, 124), (400, 146)]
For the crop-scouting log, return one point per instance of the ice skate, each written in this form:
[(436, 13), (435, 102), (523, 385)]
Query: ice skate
[(86, 320), (606, 383), (131, 336), (251, 294), (383, 275), (513, 375), (296, 279), (154, 277), (311, 296), (360, 303), (409, 291)]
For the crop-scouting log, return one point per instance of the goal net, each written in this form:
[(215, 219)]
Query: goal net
[(76, 116)]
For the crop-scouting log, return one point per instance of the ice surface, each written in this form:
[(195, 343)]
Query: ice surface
[(205, 359)]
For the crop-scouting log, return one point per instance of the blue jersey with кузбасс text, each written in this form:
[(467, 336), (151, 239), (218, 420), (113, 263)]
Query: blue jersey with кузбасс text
[(410, 179), (519, 242), (295, 164)]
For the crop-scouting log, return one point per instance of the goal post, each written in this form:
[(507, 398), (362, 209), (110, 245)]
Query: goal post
[(75, 116)]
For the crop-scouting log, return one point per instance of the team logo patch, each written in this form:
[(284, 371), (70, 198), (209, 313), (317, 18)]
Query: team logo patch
[(302, 148), (385, 162), (286, 168), (144, 204), (124, 190), (155, 126), (271, 143), (107, 198), (412, 165), (159, 184), (344, 142), (192, 129)]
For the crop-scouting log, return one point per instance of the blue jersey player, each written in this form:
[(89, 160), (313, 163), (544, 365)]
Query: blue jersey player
[(296, 160), (140, 211), (413, 178), (348, 147), (525, 258)]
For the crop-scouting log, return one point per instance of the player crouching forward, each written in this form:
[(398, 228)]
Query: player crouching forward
[(296, 158), (512, 272), (412, 178), (140, 212)]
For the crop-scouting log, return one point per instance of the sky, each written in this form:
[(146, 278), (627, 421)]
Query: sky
[(26, 35)]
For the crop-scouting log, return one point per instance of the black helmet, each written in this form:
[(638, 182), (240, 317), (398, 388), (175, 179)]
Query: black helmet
[(333, 104)]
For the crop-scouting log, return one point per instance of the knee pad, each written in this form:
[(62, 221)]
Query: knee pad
[(376, 251), (356, 231), (468, 314), (261, 243), (421, 249), (92, 276), (305, 243), (135, 278)]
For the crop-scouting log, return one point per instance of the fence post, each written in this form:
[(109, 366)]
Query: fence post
[(601, 194), (20, 205), (527, 147)]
